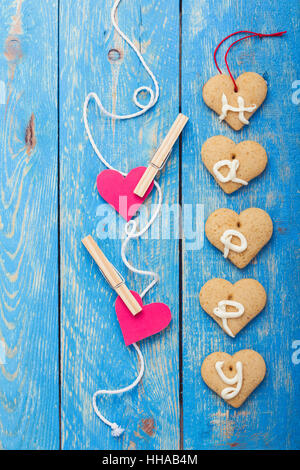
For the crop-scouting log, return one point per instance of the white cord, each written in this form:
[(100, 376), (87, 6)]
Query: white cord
[(131, 226), (143, 108), (117, 430), (131, 232)]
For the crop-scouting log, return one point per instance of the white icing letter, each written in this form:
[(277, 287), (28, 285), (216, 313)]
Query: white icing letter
[(241, 109), (230, 392), (226, 239), (220, 311), (231, 176)]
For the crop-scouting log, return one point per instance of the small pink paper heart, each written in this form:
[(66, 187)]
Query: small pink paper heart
[(151, 320), (117, 190)]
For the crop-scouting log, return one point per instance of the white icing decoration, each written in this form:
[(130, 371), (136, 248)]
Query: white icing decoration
[(231, 176), (226, 239), (230, 392), (220, 311), (241, 109)]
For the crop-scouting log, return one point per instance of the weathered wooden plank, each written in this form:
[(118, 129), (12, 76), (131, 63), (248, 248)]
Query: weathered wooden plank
[(29, 391), (93, 352), (268, 420)]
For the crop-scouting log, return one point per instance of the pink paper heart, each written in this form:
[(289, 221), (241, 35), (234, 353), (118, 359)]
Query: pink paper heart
[(117, 190), (151, 320)]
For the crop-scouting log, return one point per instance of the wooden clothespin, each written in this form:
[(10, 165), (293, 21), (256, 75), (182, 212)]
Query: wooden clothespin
[(161, 155), (114, 279)]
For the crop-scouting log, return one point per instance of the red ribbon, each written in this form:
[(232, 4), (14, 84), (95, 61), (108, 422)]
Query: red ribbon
[(251, 34)]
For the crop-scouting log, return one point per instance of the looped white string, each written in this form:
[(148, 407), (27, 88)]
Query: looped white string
[(153, 95), (230, 392), (117, 430), (241, 109), (152, 100), (131, 232), (131, 226), (226, 239), (231, 175), (221, 312)]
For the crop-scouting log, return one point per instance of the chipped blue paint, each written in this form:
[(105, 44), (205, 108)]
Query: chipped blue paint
[(92, 353), (2, 92), (29, 390), (268, 420)]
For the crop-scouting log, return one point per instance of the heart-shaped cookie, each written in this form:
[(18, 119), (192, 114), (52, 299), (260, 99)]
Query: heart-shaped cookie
[(239, 236), (151, 320), (229, 162), (232, 306), (233, 377), (219, 90), (117, 190)]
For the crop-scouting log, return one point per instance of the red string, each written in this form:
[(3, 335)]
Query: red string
[(251, 34)]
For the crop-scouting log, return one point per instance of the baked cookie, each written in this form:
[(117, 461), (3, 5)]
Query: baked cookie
[(233, 165), (232, 306), (233, 377), (239, 236), (235, 107)]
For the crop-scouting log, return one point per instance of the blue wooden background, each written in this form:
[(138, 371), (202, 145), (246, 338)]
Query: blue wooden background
[(57, 317)]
